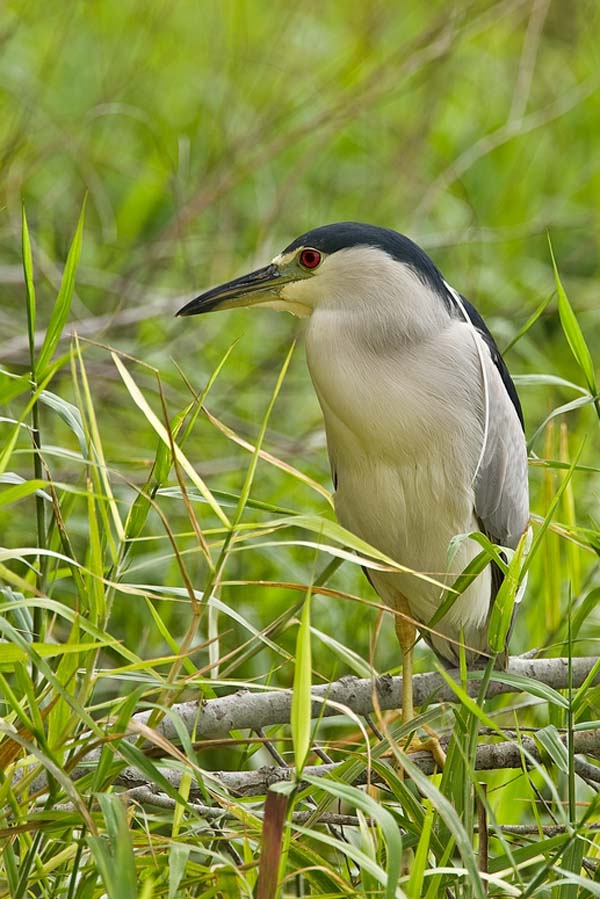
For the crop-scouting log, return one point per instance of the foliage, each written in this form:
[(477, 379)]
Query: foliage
[(164, 511)]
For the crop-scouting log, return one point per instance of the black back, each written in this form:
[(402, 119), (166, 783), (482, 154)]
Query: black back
[(341, 235), (497, 359)]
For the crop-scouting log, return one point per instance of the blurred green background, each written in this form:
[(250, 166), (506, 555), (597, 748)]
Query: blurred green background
[(207, 135)]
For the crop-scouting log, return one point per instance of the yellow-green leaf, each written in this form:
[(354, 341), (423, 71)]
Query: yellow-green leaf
[(301, 704)]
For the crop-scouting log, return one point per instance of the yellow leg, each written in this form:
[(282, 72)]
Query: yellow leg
[(407, 636)]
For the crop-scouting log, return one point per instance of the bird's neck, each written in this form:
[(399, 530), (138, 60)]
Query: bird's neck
[(374, 328)]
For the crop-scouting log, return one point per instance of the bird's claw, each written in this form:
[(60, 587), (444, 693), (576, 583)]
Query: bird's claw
[(430, 744)]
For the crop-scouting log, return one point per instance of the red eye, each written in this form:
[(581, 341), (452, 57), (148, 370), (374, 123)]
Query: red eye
[(310, 258)]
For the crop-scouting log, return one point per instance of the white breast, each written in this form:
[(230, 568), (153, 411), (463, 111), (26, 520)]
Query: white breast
[(404, 433)]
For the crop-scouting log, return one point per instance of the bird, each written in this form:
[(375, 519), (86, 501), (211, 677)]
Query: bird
[(423, 423)]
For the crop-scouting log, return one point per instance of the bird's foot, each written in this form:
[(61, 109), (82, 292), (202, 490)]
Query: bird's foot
[(414, 743), (430, 744)]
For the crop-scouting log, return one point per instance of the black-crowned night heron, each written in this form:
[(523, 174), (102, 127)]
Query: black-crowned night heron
[(424, 426)]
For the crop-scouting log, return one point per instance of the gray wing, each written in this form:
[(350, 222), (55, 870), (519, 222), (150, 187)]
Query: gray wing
[(501, 486)]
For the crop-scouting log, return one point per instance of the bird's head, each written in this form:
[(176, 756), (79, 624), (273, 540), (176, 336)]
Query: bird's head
[(344, 266)]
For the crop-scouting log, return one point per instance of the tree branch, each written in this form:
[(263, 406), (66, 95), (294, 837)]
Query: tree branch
[(490, 756), (245, 710)]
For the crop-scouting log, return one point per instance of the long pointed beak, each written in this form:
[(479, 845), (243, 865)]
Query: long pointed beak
[(257, 287)]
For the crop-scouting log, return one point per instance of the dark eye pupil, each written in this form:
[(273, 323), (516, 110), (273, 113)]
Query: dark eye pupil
[(310, 258)]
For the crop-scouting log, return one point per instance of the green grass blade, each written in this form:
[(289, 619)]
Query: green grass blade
[(142, 404), (385, 820), (414, 886), (573, 332), (448, 814), (460, 584), (29, 289), (20, 491), (537, 540), (324, 527), (62, 307), (69, 413), (87, 415), (469, 703), (571, 406), (529, 323), (572, 860), (527, 685), (550, 744), (501, 616), (249, 479), (114, 855)]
